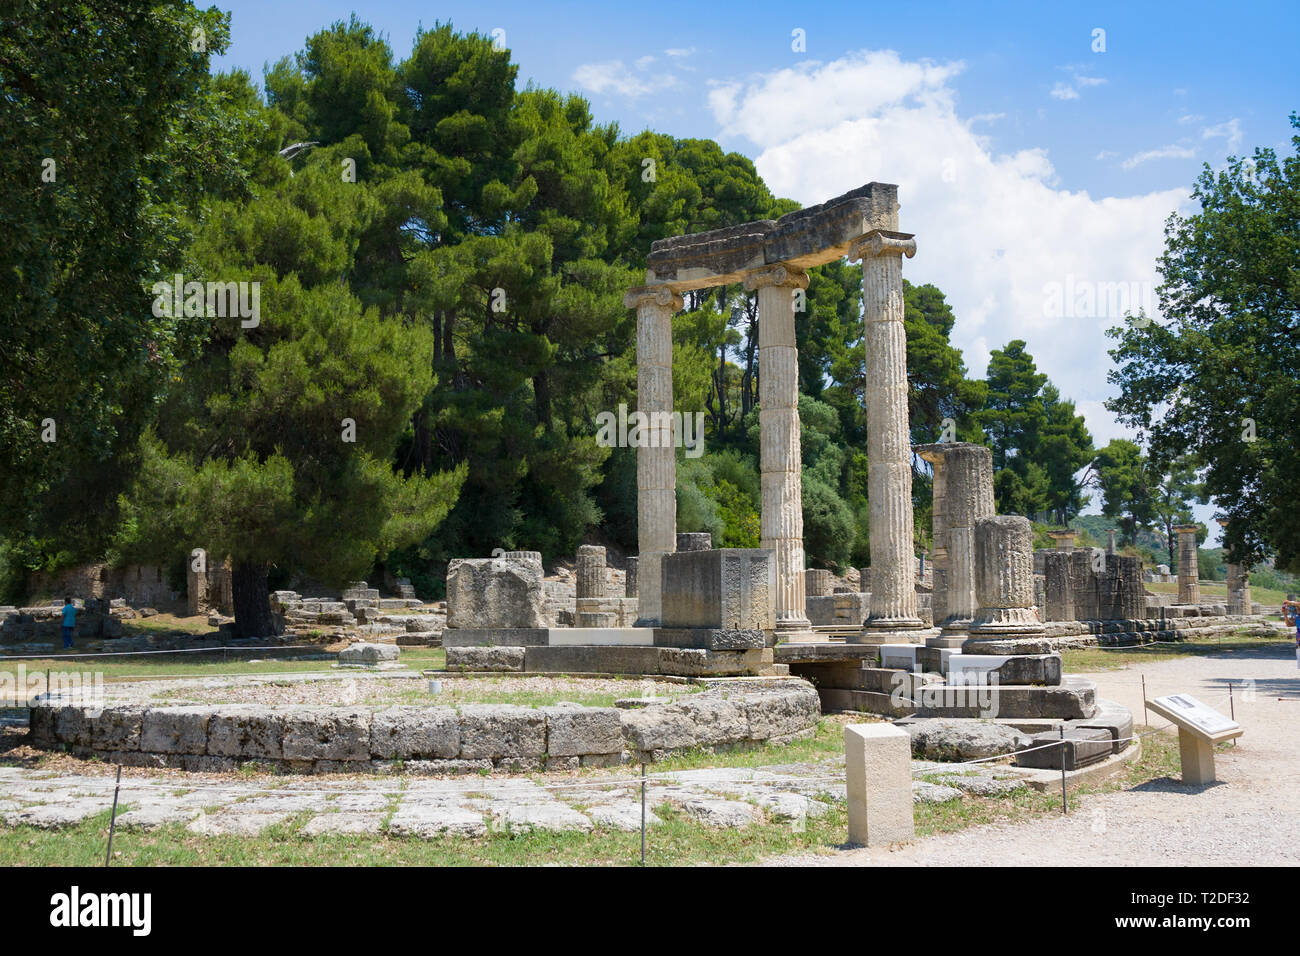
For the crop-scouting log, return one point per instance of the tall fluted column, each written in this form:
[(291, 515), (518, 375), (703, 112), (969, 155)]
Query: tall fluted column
[(781, 517), (963, 493), (1004, 580), (1189, 574), (889, 454), (656, 466)]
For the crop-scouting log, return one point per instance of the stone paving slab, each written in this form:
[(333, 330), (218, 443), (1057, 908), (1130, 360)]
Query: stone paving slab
[(368, 824), (427, 821), (53, 816), (153, 817), (235, 823)]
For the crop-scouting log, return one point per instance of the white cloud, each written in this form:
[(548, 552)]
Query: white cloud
[(679, 51), (995, 231), (1231, 131), (1070, 90), (643, 62), (613, 76), (1164, 152)]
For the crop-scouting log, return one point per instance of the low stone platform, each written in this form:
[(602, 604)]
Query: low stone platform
[(473, 738), (712, 639), (613, 659)]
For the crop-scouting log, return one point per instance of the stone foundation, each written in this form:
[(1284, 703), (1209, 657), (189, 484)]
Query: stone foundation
[(470, 738)]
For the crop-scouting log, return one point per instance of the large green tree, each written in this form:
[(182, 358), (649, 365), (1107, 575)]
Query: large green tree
[(113, 134), (1217, 378)]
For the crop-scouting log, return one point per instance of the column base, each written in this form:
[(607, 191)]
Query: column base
[(787, 624), (870, 635)]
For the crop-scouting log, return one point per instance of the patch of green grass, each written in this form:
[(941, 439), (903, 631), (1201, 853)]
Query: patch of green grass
[(1217, 591), (1082, 659), (827, 741), (677, 840)]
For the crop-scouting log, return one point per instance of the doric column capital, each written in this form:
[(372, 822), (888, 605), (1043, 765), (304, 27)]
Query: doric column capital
[(779, 275), (660, 295), (1186, 529), (881, 242)]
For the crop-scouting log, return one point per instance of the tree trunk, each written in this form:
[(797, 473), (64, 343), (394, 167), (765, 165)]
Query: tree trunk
[(252, 600)]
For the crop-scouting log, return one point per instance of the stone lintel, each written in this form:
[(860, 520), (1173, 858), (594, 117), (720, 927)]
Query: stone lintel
[(801, 239)]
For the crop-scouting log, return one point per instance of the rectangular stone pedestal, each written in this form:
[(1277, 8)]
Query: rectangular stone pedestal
[(878, 767)]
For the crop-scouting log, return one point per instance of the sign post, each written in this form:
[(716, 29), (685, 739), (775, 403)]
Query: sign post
[(1200, 727)]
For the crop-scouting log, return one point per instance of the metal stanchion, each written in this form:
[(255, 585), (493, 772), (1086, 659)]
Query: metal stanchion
[(643, 814), (1232, 709), (1146, 719), (112, 821), (1064, 806)]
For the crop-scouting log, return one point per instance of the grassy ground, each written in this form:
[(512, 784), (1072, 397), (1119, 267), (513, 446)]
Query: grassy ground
[(212, 664), (1080, 659), (676, 840), (1217, 592)]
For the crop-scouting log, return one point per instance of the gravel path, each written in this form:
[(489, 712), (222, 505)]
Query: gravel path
[(1248, 818)]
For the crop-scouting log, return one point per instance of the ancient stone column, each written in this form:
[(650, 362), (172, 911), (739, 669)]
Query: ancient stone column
[(1064, 539), (1110, 548), (1189, 574), (1238, 582), (1058, 590), (818, 582), (889, 453), (1004, 579), (656, 468), (589, 572), (781, 515), (629, 578), (963, 493)]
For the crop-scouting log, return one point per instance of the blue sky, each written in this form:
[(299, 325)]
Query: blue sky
[(1032, 168)]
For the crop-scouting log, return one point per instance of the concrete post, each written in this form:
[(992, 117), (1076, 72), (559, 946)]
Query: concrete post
[(656, 466), (781, 516), (878, 768), (1189, 574), (889, 453)]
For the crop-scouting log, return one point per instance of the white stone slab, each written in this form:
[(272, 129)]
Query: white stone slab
[(899, 655), (973, 668), (601, 637)]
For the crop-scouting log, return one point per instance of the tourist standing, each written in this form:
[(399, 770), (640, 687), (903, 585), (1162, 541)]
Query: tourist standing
[(69, 621)]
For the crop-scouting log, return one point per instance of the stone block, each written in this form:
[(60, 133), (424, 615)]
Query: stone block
[(878, 769), (696, 662), (492, 731), (326, 734), (493, 592), (710, 638), (725, 588), (403, 733), (72, 725), (948, 739), (782, 711), (369, 654), (247, 731), (657, 729), (1082, 746), (484, 658), (496, 637), (176, 730), (1116, 720), (585, 659), (117, 727), (575, 731)]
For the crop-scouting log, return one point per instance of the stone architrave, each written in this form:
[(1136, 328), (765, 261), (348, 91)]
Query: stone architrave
[(590, 571), (1004, 579), (656, 466), (889, 453), (963, 493), (1189, 588), (781, 514)]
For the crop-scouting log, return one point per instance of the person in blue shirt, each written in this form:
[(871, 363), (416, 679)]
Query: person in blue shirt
[(69, 621)]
